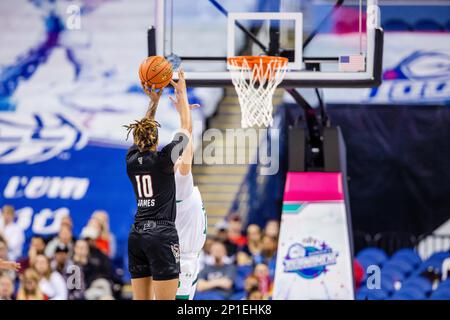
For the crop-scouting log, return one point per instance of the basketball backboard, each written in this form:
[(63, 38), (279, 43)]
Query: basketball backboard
[(328, 43)]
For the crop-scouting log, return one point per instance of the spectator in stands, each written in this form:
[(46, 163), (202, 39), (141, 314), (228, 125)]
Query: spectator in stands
[(216, 281), (205, 257), (81, 259), (243, 259), (6, 266), (268, 253), (253, 247), (255, 295), (61, 260), (29, 286), (106, 236), (95, 264), (264, 281), (251, 283), (51, 283), (272, 228), (3, 249), (100, 289), (6, 287), (93, 231), (222, 235), (37, 246), (65, 237), (67, 221), (234, 232), (12, 231)]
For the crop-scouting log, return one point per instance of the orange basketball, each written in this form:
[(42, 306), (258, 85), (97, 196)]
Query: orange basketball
[(155, 70)]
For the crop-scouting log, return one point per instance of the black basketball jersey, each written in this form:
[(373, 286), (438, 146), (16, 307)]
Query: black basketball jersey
[(152, 177)]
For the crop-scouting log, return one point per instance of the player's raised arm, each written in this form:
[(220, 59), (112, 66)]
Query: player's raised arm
[(154, 100), (181, 102), (185, 165)]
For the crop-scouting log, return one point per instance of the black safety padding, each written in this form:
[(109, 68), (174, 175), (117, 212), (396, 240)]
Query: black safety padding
[(333, 150), (296, 149)]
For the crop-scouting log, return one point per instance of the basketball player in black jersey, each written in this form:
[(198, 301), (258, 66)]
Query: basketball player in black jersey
[(153, 248)]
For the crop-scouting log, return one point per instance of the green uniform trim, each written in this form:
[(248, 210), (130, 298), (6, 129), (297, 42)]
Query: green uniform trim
[(185, 297), (206, 219)]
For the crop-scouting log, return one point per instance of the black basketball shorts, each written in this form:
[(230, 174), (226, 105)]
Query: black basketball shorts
[(154, 250)]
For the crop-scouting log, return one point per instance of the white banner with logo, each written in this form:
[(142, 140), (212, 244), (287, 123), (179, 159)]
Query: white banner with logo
[(314, 260), (416, 69)]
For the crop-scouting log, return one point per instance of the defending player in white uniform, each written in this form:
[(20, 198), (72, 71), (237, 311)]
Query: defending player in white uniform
[(190, 223)]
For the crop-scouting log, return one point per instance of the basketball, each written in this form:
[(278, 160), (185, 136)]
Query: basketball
[(157, 71)]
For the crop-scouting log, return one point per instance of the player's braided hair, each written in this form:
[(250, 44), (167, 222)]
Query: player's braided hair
[(145, 133)]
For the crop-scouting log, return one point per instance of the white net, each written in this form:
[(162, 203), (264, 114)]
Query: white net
[(255, 80)]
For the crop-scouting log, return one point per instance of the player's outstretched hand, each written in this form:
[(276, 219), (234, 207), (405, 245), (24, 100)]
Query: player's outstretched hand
[(152, 93), (181, 84), (181, 92), (9, 265), (177, 104)]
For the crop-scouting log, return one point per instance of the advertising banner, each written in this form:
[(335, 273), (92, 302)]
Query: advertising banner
[(314, 260)]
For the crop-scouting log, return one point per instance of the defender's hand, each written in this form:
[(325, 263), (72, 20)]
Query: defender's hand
[(181, 84), (180, 88)]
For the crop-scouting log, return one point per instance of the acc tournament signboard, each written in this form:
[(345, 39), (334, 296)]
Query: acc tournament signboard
[(314, 258)]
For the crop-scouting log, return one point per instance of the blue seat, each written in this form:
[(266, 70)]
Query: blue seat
[(210, 295), (377, 255), (433, 264), (427, 25), (387, 284), (441, 294), (418, 282), (239, 283), (444, 284), (366, 261), (377, 294), (371, 294), (238, 296), (439, 256), (447, 26), (408, 294), (403, 266), (244, 270), (362, 294), (394, 273), (396, 25), (407, 255)]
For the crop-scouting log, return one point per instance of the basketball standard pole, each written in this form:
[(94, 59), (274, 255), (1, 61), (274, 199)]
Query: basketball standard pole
[(159, 23)]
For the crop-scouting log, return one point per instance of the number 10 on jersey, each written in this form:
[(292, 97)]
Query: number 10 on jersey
[(144, 186)]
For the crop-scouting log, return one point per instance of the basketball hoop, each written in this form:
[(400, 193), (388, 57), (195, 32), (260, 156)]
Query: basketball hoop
[(255, 79)]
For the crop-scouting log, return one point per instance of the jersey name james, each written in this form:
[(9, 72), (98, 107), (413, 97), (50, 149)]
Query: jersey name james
[(152, 177)]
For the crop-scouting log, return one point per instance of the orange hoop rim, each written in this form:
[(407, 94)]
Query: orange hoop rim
[(238, 61)]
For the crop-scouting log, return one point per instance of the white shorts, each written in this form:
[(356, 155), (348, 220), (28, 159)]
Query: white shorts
[(189, 269)]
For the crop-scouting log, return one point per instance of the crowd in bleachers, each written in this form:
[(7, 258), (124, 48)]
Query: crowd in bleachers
[(235, 263), (238, 264), (59, 268), (404, 275)]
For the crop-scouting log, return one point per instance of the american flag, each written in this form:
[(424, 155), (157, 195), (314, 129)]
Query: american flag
[(352, 63)]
